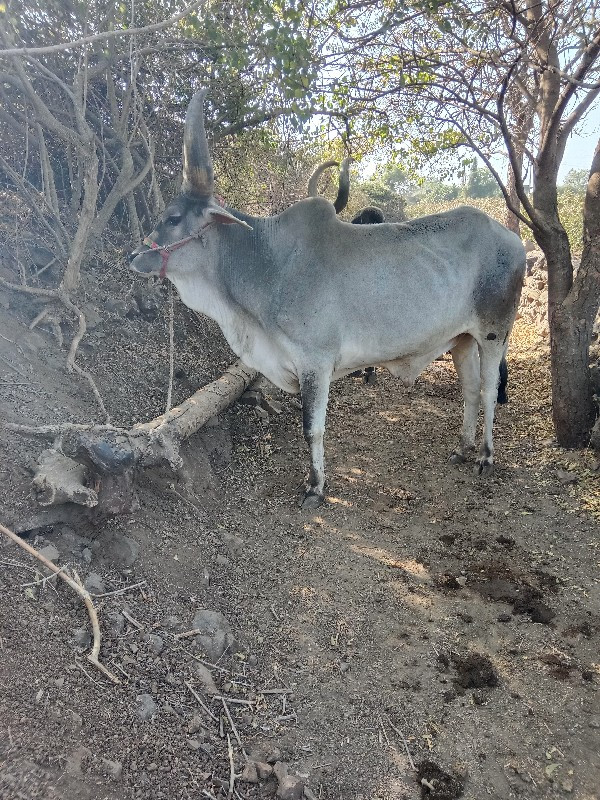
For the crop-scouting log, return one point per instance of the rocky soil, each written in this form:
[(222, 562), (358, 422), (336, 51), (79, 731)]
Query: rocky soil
[(425, 634)]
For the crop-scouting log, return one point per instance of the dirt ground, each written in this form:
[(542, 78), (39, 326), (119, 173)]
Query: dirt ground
[(425, 634)]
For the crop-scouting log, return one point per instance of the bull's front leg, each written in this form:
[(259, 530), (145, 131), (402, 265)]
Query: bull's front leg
[(314, 387)]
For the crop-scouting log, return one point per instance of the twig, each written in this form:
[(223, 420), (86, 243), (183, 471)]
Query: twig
[(234, 729), (385, 736), (237, 701), (275, 691), (201, 701), (15, 369), (44, 579), (131, 619), (401, 735), (171, 350), (120, 591), (55, 430), (83, 593), (187, 634), (231, 768)]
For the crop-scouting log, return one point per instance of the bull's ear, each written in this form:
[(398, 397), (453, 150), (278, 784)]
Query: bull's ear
[(222, 216)]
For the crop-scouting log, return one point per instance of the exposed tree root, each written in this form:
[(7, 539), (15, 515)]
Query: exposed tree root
[(77, 586), (95, 464)]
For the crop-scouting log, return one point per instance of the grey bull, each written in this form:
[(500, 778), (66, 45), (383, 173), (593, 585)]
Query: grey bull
[(306, 298)]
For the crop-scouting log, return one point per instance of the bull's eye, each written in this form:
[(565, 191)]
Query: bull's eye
[(174, 219)]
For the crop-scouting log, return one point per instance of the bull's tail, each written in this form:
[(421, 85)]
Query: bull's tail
[(503, 383)]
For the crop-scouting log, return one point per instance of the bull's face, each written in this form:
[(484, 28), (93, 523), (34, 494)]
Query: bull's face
[(168, 251)]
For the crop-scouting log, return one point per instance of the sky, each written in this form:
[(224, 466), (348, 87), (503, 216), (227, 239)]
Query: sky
[(580, 147)]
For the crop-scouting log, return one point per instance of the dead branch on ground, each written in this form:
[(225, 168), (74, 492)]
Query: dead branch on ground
[(77, 586)]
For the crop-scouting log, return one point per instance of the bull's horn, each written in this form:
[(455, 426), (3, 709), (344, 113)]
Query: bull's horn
[(314, 178), (341, 201), (198, 176)]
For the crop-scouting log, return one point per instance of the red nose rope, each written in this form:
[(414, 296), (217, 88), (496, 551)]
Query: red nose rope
[(166, 250)]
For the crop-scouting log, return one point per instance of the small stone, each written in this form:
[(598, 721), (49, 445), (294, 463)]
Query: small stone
[(195, 724), (250, 773), (113, 768), (251, 398), (94, 584), (155, 642), (82, 637), (87, 555), (291, 787), (262, 414), (263, 769), (123, 550), (148, 303), (222, 561), (194, 744), (216, 636), (504, 617), (461, 580), (50, 552), (76, 759), (252, 660), (205, 677), (59, 682), (567, 785), (594, 723), (145, 707), (566, 477)]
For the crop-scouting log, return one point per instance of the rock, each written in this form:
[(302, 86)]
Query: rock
[(291, 787), (251, 398), (50, 552), (262, 414), (75, 760), (504, 617), (145, 707), (250, 773), (263, 769), (82, 637), (195, 724), (87, 555), (194, 744), (94, 584), (216, 636), (148, 303), (566, 477), (156, 642), (205, 677), (123, 550), (113, 768)]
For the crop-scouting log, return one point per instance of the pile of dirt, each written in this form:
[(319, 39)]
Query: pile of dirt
[(388, 646)]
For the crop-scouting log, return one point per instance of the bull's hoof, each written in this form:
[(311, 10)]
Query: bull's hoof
[(311, 500), (371, 378), (457, 458), (484, 468)]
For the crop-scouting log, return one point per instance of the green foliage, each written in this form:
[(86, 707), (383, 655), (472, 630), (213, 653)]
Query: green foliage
[(480, 183), (576, 180)]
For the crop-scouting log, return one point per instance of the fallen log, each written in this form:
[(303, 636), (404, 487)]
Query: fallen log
[(103, 460)]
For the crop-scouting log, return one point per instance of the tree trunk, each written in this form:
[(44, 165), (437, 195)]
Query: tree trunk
[(571, 325)]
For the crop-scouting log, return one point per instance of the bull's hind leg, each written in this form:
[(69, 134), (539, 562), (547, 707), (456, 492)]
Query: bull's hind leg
[(315, 392), (466, 362), (491, 354)]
